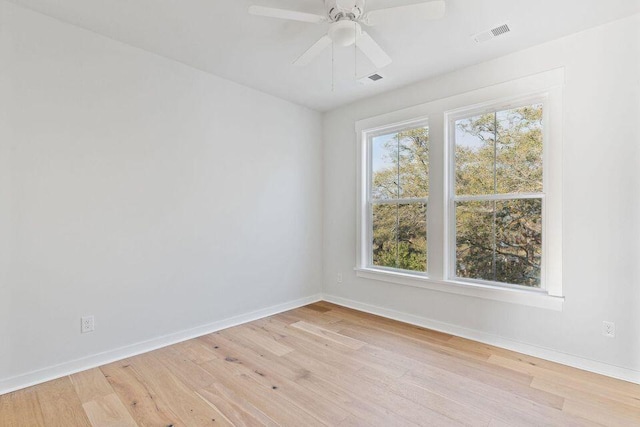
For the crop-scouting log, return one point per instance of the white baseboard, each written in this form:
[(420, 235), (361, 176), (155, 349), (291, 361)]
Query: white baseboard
[(18, 382), (483, 337)]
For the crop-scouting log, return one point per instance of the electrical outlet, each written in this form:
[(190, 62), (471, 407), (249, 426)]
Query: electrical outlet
[(87, 324), (339, 278), (609, 329)]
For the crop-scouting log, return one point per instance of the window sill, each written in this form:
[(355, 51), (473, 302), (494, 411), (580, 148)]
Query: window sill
[(533, 298)]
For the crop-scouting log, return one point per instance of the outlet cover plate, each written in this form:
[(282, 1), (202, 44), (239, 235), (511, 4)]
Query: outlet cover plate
[(87, 324), (609, 329)]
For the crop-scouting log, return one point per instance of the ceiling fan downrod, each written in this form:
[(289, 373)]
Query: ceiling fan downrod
[(339, 10)]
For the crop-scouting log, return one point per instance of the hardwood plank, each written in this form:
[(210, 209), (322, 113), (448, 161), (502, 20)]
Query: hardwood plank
[(563, 371), (200, 379), (248, 360), (326, 370), (189, 373), (426, 353), (462, 413), (289, 368), (264, 340), (504, 405), (270, 371), (624, 393), (238, 416), (393, 326), (496, 422), (404, 411), (270, 401), (585, 411), (317, 307), (326, 334), (179, 397), (21, 409), (606, 403), (264, 398), (108, 411), (310, 316), (195, 351), (144, 405), (344, 357), (91, 385), (359, 406), (61, 406), (466, 345)]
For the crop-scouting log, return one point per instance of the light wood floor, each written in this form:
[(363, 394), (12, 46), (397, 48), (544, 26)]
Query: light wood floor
[(327, 365)]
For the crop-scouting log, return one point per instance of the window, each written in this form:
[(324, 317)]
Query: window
[(463, 194), (398, 195), (498, 198)]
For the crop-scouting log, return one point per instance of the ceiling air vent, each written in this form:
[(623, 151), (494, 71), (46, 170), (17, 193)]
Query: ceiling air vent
[(485, 36), (371, 78)]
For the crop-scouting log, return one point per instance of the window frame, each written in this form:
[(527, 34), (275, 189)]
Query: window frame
[(467, 112), (370, 134), (436, 113)]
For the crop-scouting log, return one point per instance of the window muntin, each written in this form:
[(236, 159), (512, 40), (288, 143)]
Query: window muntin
[(397, 199), (498, 196)]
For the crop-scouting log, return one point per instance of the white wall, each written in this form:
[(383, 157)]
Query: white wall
[(154, 196), (601, 202)]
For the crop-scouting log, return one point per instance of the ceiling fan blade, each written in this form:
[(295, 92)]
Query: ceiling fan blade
[(291, 15), (313, 51), (372, 50), (426, 10)]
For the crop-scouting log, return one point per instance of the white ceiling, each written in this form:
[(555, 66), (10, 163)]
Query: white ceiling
[(220, 37)]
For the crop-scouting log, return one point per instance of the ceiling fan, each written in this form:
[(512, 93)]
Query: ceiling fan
[(345, 19)]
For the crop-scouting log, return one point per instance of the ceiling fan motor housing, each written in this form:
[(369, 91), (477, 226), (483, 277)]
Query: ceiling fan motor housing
[(339, 10), (345, 32)]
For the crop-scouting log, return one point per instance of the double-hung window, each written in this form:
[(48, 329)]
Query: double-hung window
[(497, 194), (398, 193), (463, 194)]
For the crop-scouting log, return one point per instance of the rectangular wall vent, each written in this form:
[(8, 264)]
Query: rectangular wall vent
[(487, 35), (375, 77)]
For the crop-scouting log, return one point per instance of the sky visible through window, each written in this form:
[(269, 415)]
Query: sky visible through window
[(380, 154)]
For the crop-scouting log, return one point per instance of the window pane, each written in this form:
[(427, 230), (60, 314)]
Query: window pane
[(414, 162), (475, 240), (384, 167), (500, 241), (519, 150), (412, 237), (474, 151), (385, 235), (400, 236), (519, 241)]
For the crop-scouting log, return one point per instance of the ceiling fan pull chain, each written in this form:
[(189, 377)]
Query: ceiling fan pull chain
[(333, 72), (355, 50)]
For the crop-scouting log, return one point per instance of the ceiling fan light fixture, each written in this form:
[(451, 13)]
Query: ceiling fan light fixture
[(344, 33), (344, 18)]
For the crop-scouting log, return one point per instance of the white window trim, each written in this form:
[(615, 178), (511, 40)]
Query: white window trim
[(439, 275)]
